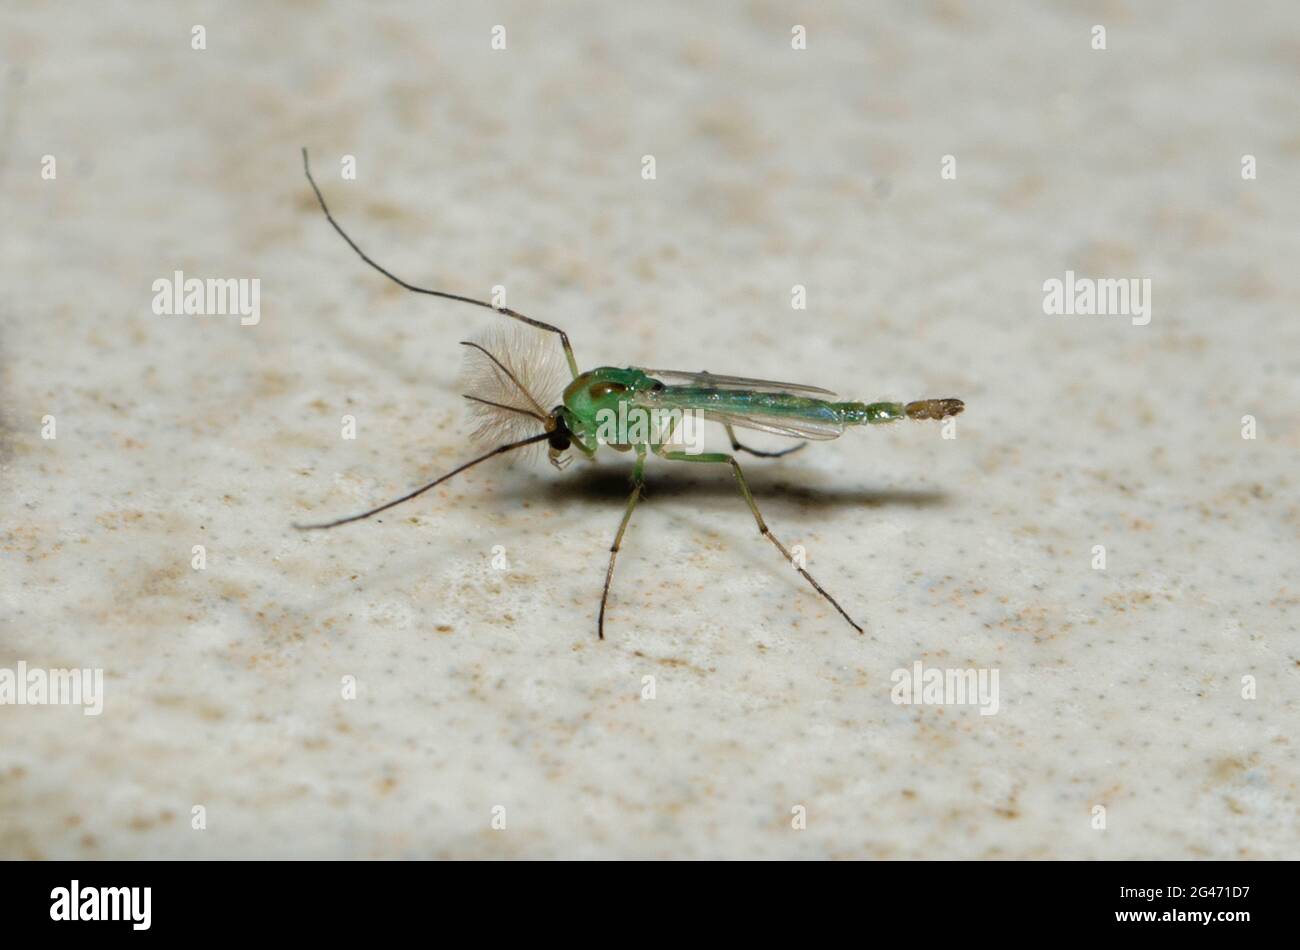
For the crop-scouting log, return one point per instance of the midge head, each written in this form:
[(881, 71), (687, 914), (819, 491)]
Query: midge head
[(509, 377)]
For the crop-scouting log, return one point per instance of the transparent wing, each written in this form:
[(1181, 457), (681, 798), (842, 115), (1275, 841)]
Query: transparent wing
[(673, 377), (795, 428)]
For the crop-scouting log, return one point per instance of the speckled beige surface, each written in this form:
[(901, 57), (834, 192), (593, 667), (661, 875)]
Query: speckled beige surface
[(480, 688)]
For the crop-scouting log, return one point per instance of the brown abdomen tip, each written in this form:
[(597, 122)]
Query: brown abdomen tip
[(933, 408)]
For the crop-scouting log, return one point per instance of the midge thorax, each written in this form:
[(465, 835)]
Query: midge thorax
[(512, 378)]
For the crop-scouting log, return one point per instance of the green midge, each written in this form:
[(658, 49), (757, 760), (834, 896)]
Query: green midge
[(608, 388)]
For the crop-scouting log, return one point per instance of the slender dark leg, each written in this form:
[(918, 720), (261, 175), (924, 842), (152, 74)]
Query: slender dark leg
[(638, 481), (424, 488), (513, 314), (718, 457), (737, 447)]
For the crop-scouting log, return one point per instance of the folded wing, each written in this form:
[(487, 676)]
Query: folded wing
[(673, 377)]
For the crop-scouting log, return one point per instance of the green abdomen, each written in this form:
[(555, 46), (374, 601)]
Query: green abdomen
[(781, 406)]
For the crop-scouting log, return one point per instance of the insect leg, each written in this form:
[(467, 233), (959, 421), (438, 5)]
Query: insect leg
[(737, 447), (638, 481), (720, 457), (424, 488), (513, 314), (583, 447)]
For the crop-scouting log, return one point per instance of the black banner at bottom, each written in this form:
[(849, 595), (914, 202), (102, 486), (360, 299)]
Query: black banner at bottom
[(1215, 900)]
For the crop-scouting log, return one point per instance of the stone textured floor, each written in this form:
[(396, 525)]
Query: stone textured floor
[(482, 694)]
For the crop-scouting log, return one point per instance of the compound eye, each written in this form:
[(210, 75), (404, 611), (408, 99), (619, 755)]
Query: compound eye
[(601, 390)]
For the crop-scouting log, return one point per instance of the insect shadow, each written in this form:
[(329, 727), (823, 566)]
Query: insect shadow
[(610, 484)]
